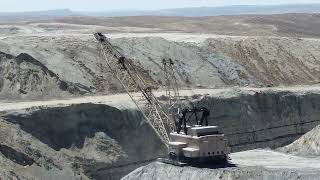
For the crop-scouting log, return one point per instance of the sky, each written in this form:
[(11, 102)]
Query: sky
[(110, 5)]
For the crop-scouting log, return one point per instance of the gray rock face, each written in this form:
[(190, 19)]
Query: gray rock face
[(25, 77), (261, 119), (217, 62), (86, 139), (24, 157)]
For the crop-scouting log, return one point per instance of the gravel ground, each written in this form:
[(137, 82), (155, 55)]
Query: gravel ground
[(253, 165)]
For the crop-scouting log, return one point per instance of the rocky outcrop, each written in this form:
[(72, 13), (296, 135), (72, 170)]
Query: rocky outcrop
[(24, 157), (96, 141), (25, 77)]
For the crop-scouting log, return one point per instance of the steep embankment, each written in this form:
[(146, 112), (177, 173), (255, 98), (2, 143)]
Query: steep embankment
[(97, 141), (101, 140), (307, 145), (25, 77), (267, 118), (77, 59), (218, 62), (272, 61)]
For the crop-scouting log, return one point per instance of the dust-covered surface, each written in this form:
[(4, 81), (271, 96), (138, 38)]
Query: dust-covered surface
[(255, 165), (307, 145)]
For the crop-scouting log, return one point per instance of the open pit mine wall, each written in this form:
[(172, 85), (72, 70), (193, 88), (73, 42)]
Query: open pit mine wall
[(250, 120), (264, 119), (108, 142)]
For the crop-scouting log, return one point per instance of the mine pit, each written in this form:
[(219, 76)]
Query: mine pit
[(65, 112), (102, 141)]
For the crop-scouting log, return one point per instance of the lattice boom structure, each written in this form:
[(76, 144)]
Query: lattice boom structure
[(132, 81)]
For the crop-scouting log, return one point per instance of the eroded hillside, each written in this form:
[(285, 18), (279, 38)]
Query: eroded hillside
[(23, 76), (212, 63), (273, 61)]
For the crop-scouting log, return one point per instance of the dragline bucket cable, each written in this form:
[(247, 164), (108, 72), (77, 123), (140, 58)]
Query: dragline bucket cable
[(132, 81)]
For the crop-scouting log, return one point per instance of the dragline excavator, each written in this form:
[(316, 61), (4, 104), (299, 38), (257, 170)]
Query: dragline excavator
[(185, 131)]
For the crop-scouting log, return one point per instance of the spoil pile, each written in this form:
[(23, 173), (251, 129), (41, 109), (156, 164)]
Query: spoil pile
[(307, 145)]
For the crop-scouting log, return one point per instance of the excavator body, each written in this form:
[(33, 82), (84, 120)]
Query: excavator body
[(203, 144), (197, 144), (194, 141)]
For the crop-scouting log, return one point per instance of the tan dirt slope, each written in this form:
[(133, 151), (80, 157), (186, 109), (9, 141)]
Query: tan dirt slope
[(307, 145)]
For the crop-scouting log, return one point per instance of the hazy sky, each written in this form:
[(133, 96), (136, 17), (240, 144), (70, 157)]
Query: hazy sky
[(104, 5)]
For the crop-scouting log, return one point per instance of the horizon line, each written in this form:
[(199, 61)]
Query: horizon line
[(124, 10)]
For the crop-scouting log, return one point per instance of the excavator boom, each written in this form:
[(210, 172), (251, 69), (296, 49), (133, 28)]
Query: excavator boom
[(133, 81)]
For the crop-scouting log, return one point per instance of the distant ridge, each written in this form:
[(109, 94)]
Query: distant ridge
[(57, 12), (10, 17), (217, 11), (244, 9), (185, 12)]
